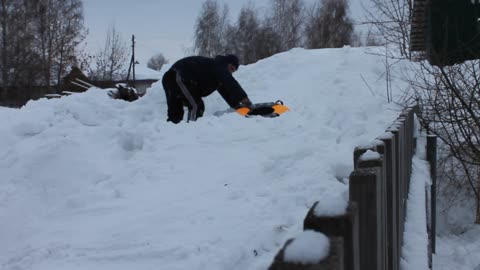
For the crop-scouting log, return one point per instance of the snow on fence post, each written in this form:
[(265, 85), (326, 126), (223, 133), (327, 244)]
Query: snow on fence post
[(342, 252), (311, 250), (342, 229)]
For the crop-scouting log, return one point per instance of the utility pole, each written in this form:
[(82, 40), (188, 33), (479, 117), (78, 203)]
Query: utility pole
[(133, 59), (132, 63)]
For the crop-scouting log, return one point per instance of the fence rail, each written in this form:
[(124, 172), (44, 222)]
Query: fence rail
[(369, 235)]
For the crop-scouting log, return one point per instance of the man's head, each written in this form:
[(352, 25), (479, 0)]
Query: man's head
[(233, 62), (230, 60)]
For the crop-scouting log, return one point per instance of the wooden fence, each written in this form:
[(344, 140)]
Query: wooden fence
[(369, 235)]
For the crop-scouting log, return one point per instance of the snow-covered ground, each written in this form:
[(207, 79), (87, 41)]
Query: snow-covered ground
[(415, 238), (459, 252), (87, 182)]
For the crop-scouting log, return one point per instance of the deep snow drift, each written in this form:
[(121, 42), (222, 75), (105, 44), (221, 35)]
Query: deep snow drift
[(87, 182)]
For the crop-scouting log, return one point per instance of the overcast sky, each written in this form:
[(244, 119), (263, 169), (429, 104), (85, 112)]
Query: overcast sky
[(159, 26)]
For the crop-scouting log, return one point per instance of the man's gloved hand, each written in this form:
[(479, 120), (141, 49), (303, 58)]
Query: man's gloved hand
[(244, 103), (175, 121), (243, 106)]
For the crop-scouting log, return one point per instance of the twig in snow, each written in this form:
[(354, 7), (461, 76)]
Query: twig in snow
[(371, 91)]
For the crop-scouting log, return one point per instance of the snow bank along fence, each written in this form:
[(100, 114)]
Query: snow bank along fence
[(369, 234)]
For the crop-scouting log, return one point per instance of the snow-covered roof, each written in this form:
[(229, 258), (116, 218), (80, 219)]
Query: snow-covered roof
[(145, 73)]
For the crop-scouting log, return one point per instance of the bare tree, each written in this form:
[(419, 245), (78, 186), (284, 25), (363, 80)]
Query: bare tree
[(356, 40), (71, 33), (268, 41), (157, 61), (329, 26), (453, 185), (83, 58), (313, 25), (47, 28), (246, 33), (59, 30), (371, 39), (210, 29), (232, 43), (39, 41), (112, 60), (287, 18), (252, 38), (449, 103), (19, 54), (4, 19), (392, 21)]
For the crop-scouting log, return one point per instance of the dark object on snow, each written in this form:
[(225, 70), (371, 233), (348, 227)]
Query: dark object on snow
[(192, 78), (76, 81), (268, 109), (125, 93)]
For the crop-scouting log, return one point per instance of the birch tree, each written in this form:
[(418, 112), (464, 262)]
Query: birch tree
[(111, 61), (210, 29), (287, 18)]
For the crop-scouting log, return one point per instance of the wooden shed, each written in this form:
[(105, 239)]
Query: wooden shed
[(446, 31)]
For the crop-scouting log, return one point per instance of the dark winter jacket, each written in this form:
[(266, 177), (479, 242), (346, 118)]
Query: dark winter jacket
[(204, 75)]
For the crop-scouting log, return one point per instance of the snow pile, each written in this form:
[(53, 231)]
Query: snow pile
[(146, 73), (458, 252), (369, 155), (87, 182), (309, 247), (332, 204)]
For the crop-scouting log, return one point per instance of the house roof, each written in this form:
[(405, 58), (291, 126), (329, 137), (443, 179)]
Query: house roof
[(418, 29), (145, 73)]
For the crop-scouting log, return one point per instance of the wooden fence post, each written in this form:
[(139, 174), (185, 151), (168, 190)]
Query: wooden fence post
[(402, 154), (408, 118), (365, 191), (389, 154), (397, 130), (432, 160), (382, 197)]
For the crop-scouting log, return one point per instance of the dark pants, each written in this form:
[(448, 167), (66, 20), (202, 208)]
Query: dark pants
[(180, 93)]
